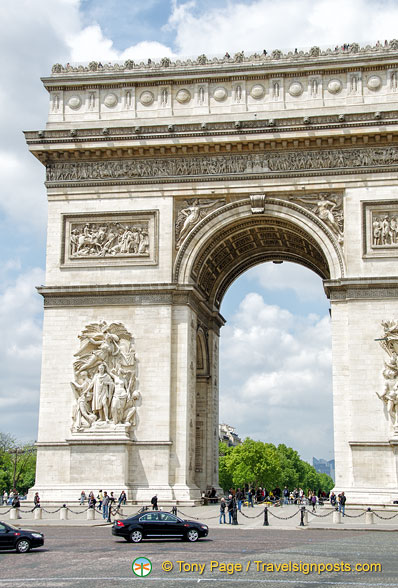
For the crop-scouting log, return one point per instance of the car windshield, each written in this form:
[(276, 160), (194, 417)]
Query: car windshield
[(11, 526)]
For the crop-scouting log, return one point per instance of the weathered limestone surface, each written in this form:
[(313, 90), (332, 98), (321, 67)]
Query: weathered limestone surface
[(167, 181)]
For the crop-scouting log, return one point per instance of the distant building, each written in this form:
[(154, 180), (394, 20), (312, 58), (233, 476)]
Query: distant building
[(324, 467), (227, 435)]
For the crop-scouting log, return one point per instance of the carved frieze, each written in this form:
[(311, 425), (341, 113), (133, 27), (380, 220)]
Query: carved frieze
[(115, 238), (380, 221), (190, 212), (269, 162), (105, 380), (389, 342)]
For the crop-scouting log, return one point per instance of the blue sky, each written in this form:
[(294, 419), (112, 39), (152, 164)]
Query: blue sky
[(284, 361)]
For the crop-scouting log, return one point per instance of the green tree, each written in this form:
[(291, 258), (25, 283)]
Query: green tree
[(255, 463), (224, 476), (262, 464), (17, 464)]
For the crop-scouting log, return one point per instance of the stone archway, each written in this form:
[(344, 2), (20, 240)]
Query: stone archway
[(165, 182), (223, 245)]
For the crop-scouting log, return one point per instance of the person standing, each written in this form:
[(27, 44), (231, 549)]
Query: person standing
[(222, 509), (286, 495), (313, 502), (230, 509), (342, 501), (100, 498), (154, 502), (105, 506), (82, 497), (239, 498)]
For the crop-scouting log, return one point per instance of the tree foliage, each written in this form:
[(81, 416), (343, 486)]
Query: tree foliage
[(262, 464), (17, 464)]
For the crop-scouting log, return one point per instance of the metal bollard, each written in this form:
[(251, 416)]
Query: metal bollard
[(303, 517), (38, 513), (90, 514), (63, 513), (337, 517), (14, 513), (369, 517), (266, 523)]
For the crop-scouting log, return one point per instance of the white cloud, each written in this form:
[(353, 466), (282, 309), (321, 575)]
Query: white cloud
[(276, 376), (259, 24), (289, 276), (20, 353)]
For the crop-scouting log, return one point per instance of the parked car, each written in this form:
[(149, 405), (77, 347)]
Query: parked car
[(151, 525), (19, 539)]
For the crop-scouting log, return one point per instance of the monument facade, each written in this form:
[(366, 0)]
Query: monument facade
[(165, 182)]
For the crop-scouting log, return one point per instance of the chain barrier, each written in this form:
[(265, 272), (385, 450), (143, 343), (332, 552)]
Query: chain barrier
[(247, 516), (355, 516), (196, 518), (384, 518), (7, 511), (30, 510), (320, 516), (51, 511), (285, 518)]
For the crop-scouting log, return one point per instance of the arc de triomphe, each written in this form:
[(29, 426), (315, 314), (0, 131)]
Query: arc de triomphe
[(165, 182)]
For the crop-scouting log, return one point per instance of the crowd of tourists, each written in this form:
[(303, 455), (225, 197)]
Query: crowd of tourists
[(250, 496), (11, 498), (103, 502)]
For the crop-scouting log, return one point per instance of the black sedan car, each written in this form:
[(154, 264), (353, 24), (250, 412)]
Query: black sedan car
[(19, 539), (155, 524)]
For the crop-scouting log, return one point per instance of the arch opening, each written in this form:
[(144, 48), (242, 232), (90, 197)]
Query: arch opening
[(249, 242)]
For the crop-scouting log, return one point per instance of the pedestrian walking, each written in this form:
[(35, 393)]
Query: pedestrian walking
[(36, 501), (122, 498), (154, 502)]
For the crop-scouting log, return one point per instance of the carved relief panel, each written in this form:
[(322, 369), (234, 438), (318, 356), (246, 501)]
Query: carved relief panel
[(110, 239), (380, 220)]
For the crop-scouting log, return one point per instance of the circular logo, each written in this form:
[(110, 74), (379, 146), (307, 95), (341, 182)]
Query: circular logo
[(142, 566)]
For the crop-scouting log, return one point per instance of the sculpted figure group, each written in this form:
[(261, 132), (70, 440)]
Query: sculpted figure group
[(390, 372), (108, 239), (105, 378), (385, 229)]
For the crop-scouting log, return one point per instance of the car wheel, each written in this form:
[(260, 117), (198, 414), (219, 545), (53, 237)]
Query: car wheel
[(136, 537), (22, 546), (192, 535)]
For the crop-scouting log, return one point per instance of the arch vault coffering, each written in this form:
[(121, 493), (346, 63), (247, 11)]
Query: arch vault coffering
[(233, 239)]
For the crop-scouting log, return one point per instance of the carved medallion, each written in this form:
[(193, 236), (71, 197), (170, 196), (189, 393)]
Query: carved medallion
[(74, 102), (374, 82), (183, 96), (295, 89), (147, 98), (110, 100), (220, 94), (334, 86), (257, 91)]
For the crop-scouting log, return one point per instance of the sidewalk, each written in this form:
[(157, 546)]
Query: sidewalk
[(281, 518)]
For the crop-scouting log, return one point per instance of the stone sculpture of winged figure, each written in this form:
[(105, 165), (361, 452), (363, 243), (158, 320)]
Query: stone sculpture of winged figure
[(102, 343), (195, 211)]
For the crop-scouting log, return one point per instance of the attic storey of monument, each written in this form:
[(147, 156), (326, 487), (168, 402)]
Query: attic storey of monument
[(165, 182)]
